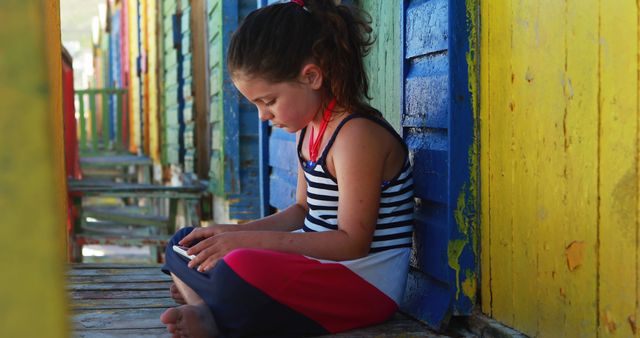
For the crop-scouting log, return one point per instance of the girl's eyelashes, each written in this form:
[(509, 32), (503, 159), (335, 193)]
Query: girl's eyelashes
[(270, 103)]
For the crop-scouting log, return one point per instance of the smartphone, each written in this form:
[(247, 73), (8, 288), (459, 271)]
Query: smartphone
[(182, 250)]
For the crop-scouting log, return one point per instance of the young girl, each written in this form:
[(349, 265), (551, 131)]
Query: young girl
[(337, 259)]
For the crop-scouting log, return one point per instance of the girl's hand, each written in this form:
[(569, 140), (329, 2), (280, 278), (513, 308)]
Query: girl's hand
[(205, 232), (210, 250)]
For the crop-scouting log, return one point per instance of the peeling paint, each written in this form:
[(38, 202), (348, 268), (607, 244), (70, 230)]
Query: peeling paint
[(575, 254), (469, 284), (609, 322), (472, 7), (465, 213), (454, 250)]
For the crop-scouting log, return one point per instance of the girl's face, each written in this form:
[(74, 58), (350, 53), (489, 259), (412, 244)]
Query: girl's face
[(288, 105)]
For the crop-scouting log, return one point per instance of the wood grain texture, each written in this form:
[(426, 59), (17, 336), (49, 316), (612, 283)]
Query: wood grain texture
[(618, 171), (135, 133), (383, 62), (497, 124), (560, 166)]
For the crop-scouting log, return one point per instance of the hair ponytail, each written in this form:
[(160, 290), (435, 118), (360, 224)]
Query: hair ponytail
[(275, 41)]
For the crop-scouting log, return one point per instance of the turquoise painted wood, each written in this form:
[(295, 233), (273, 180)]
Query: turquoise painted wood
[(171, 121), (93, 140), (383, 62), (187, 131), (216, 117), (440, 130)]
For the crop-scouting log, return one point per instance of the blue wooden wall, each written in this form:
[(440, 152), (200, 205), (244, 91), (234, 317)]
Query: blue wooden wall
[(235, 156), (439, 129)]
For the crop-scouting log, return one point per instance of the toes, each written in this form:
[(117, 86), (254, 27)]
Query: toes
[(170, 316)]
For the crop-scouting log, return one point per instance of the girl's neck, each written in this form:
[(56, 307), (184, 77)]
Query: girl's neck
[(318, 117)]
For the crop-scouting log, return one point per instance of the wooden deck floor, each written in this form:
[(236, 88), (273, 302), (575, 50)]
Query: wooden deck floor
[(118, 300)]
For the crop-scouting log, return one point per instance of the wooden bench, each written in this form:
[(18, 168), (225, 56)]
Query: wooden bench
[(112, 166), (118, 300), (128, 225)]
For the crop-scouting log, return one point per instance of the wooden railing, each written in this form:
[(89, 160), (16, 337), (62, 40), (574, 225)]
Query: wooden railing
[(102, 120)]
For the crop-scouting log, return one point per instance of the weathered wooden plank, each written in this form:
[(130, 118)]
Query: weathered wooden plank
[(383, 62), (123, 215), (126, 303), (118, 294), (153, 41), (123, 333), (164, 285), (117, 319), (398, 326), (133, 277), (526, 97), (485, 221), (497, 116), (125, 240), (111, 266), (134, 83), (421, 39), (618, 172), (577, 276)]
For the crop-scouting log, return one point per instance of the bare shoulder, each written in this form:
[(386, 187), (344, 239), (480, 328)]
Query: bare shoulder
[(369, 141), (363, 131)]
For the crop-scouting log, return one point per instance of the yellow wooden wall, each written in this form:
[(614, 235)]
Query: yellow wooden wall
[(152, 71), (33, 256), (559, 166), (134, 84)]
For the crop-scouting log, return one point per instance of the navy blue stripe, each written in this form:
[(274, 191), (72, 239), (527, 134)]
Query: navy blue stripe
[(321, 207), (321, 222), (317, 173), (305, 228), (374, 250), (397, 193), (395, 224), (396, 213), (396, 203), (389, 237), (322, 198), (333, 187)]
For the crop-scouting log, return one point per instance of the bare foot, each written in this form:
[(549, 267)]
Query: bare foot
[(176, 295), (193, 321)]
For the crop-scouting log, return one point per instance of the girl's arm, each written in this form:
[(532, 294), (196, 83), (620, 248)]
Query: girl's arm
[(359, 160)]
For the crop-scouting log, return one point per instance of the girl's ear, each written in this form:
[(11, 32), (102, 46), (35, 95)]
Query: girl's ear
[(311, 75)]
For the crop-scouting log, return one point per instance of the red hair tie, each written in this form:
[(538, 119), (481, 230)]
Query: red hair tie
[(299, 2)]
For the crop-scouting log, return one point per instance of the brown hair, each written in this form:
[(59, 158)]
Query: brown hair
[(275, 41)]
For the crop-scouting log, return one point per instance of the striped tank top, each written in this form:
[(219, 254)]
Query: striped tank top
[(394, 227)]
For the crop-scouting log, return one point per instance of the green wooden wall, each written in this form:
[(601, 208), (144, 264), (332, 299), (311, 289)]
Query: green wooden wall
[(383, 62), (216, 64)]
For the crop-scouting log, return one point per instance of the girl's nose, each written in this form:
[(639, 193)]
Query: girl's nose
[(264, 115)]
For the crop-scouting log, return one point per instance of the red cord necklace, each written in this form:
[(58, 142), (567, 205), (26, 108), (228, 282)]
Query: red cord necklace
[(314, 145)]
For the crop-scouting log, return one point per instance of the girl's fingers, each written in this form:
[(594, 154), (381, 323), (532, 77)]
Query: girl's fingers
[(196, 234), (200, 246), (201, 256), (209, 263)]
